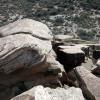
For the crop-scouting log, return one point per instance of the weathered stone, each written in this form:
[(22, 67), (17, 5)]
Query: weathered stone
[(98, 63), (18, 51), (50, 77), (70, 56), (72, 77), (41, 93), (84, 48), (96, 68), (26, 26), (54, 66), (63, 37), (95, 46), (27, 58), (89, 83)]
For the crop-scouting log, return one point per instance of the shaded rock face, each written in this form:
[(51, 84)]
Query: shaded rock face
[(71, 60), (27, 58), (79, 75), (41, 93), (25, 97), (69, 56), (89, 83), (21, 50)]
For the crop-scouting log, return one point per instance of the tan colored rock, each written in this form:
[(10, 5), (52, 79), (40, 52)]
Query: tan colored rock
[(98, 63), (26, 56), (18, 51), (54, 65), (71, 49), (26, 26), (41, 93), (89, 83), (23, 57), (70, 56)]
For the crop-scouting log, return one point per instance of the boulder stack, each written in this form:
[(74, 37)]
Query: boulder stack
[(27, 58), (89, 83)]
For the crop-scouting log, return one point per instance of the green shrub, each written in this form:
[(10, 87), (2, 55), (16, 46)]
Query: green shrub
[(84, 21), (86, 35)]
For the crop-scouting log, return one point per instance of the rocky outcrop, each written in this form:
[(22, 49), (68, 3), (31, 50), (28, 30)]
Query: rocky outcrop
[(26, 26), (27, 58), (70, 56), (89, 83), (41, 93)]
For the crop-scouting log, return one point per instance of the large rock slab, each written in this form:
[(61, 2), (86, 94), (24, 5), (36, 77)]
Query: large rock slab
[(26, 56), (89, 83), (41, 93), (17, 51), (84, 48), (70, 56), (23, 57), (26, 26)]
